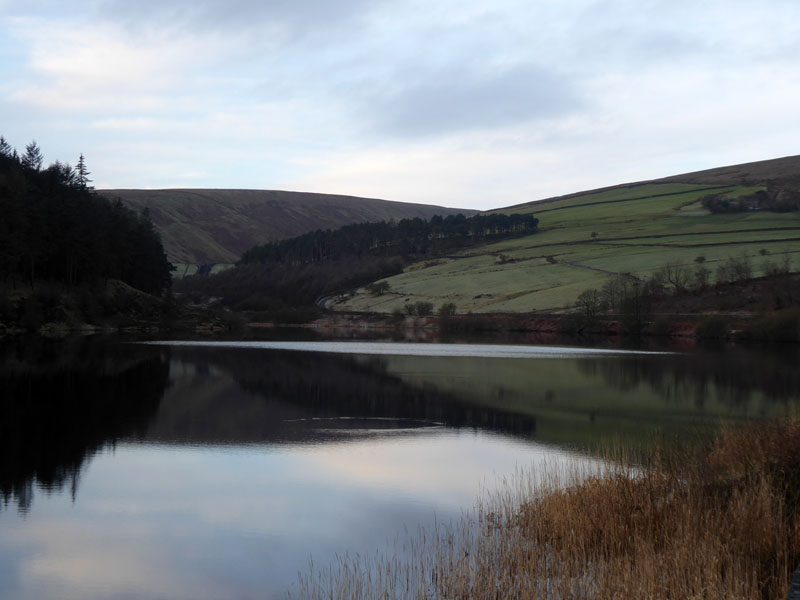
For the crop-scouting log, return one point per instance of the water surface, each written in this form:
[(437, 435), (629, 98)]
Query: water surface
[(218, 471)]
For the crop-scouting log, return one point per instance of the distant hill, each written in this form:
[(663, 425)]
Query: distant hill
[(589, 237), (216, 226), (781, 172)]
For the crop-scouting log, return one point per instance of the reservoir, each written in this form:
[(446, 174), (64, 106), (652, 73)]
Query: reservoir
[(207, 470)]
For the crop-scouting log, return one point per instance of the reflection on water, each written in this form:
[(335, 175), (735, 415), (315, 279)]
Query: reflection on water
[(209, 472), (63, 403), (413, 349)]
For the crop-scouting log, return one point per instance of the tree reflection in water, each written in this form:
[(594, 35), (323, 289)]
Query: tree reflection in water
[(64, 401)]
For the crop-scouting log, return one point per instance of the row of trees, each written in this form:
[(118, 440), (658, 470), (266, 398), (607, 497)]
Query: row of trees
[(783, 196), (632, 298), (406, 238), (55, 228)]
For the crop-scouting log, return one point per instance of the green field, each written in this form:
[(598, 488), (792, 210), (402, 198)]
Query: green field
[(584, 240)]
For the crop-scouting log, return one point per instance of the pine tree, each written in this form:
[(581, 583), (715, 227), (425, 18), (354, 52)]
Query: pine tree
[(33, 157), (82, 174), (5, 148)]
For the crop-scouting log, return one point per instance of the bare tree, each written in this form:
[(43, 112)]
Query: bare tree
[(676, 274)]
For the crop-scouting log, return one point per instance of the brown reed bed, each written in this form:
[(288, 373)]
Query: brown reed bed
[(721, 521)]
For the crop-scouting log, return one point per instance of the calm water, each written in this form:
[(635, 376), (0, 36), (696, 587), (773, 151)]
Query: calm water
[(206, 471)]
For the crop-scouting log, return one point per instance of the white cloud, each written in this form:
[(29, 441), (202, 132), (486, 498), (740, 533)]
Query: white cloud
[(450, 102)]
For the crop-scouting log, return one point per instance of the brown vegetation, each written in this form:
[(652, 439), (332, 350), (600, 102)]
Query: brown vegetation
[(720, 523), (217, 226)]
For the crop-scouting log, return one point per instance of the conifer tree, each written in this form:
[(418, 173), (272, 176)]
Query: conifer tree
[(33, 157), (82, 174), (5, 148)]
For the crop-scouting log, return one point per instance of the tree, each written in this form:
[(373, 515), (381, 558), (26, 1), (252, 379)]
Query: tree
[(676, 274), (378, 289), (702, 277), (82, 174), (616, 289), (61, 174), (589, 305), (423, 308), (5, 148), (635, 309), (33, 157)]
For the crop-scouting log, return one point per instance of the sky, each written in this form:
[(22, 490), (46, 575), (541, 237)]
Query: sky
[(455, 102)]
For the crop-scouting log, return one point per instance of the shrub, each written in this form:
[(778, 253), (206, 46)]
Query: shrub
[(379, 288), (448, 309), (423, 308)]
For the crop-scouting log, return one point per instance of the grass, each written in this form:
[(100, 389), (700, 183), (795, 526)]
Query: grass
[(639, 228), (714, 522)]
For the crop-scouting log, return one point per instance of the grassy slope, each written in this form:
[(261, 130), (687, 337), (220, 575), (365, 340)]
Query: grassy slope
[(639, 228), (216, 226)]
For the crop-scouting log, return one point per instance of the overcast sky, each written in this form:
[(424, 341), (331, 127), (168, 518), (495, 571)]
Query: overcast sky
[(454, 102)]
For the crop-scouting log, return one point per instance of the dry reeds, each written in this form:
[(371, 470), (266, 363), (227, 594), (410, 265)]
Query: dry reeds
[(725, 524)]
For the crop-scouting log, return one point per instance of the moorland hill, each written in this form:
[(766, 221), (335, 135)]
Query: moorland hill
[(207, 226)]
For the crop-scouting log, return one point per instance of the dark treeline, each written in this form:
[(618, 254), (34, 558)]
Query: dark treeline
[(280, 277), (286, 293), (408, 237), (783, 196), (55, 228)]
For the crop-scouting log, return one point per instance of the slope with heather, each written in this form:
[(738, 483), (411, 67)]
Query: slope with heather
[(216, 226)]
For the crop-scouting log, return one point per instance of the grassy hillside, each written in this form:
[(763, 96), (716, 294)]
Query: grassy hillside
[(217, 226), (587, 237)]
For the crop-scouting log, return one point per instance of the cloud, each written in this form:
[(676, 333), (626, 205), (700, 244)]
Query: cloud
[(460, 99), (448, 102), (86, 69)]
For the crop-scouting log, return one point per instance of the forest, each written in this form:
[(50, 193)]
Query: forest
[(56, 229), (284, 279), (408, 237)]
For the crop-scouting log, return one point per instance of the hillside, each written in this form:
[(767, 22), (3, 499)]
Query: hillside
[(217, 226), (587, 237)]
